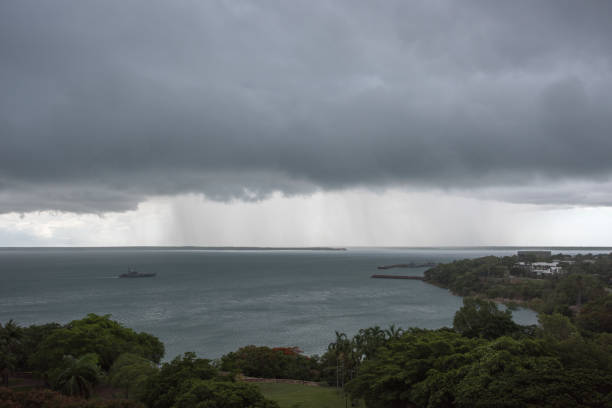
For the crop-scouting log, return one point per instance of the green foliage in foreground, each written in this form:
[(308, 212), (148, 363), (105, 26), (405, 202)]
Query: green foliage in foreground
[(163, 388), (555, 366), (481, 318), (74, 357), (94, 334), (131, 372), (596, 316), (440, 368), (303, 396), (24, 341), (411, 361), (77, 376), (190, 382), (11, 337), (220, 394), (341, 361), (266, 362)]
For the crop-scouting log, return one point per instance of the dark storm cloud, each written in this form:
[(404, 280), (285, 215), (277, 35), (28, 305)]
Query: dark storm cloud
[(106, 103)]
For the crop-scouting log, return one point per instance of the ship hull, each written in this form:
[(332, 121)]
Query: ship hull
[(140, 275)]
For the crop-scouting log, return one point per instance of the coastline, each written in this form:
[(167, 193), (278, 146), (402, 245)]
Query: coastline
[(508, 302)]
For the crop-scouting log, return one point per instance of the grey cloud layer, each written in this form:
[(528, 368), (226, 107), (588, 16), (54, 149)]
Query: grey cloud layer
[(105, 103)]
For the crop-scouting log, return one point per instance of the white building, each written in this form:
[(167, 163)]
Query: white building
[(542, 268)]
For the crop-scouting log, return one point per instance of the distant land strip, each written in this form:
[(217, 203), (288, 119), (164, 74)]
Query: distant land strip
[(181, 248), (322, 248), (408, 265), (398, 277), (490, 247)]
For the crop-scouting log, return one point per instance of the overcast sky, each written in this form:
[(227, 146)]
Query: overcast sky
[(305, 123)]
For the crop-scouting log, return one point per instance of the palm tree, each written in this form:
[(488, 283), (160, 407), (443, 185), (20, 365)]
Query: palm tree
[(394, 332), (10, 341), (7, 361), (342, 350), (78, 375), (11, 331)]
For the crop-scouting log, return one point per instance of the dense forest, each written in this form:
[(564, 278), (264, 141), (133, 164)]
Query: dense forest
[(584, 279), (484, 360)]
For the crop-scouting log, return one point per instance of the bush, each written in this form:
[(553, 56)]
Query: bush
[(221, 394), (161, 389), (280, 362)]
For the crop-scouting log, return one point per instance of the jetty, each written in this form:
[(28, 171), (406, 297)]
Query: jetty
[(398, 277), (408, 265)]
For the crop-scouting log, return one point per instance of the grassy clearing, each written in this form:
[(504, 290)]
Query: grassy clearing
[(303, 396)]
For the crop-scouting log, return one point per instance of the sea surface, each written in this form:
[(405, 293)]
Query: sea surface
[(215, 301)]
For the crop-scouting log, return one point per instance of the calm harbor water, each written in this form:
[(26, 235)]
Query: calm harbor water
[(213, 302)]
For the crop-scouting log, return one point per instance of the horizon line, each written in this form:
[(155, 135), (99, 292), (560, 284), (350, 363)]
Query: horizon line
[(312, 248)]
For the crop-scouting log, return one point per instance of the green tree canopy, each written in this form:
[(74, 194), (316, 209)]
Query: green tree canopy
[(596, 315), (278, 362), (197, 393), (162, 388), (557, 327), (481, 318), (527, 373), (77, 376), (131, 372), (344, 356), (11, 337), (95, 334), (441, 368)]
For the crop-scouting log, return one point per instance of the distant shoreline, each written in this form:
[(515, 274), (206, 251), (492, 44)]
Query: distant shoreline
[(319, 248), (188, 248)]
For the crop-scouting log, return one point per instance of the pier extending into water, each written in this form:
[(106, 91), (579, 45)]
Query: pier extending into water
[(398, 277), (409, 265)]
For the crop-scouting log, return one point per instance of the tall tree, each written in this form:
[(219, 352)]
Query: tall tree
[(481, 318), (130, 372), (95, 334), (10, 344), (78, 376)]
